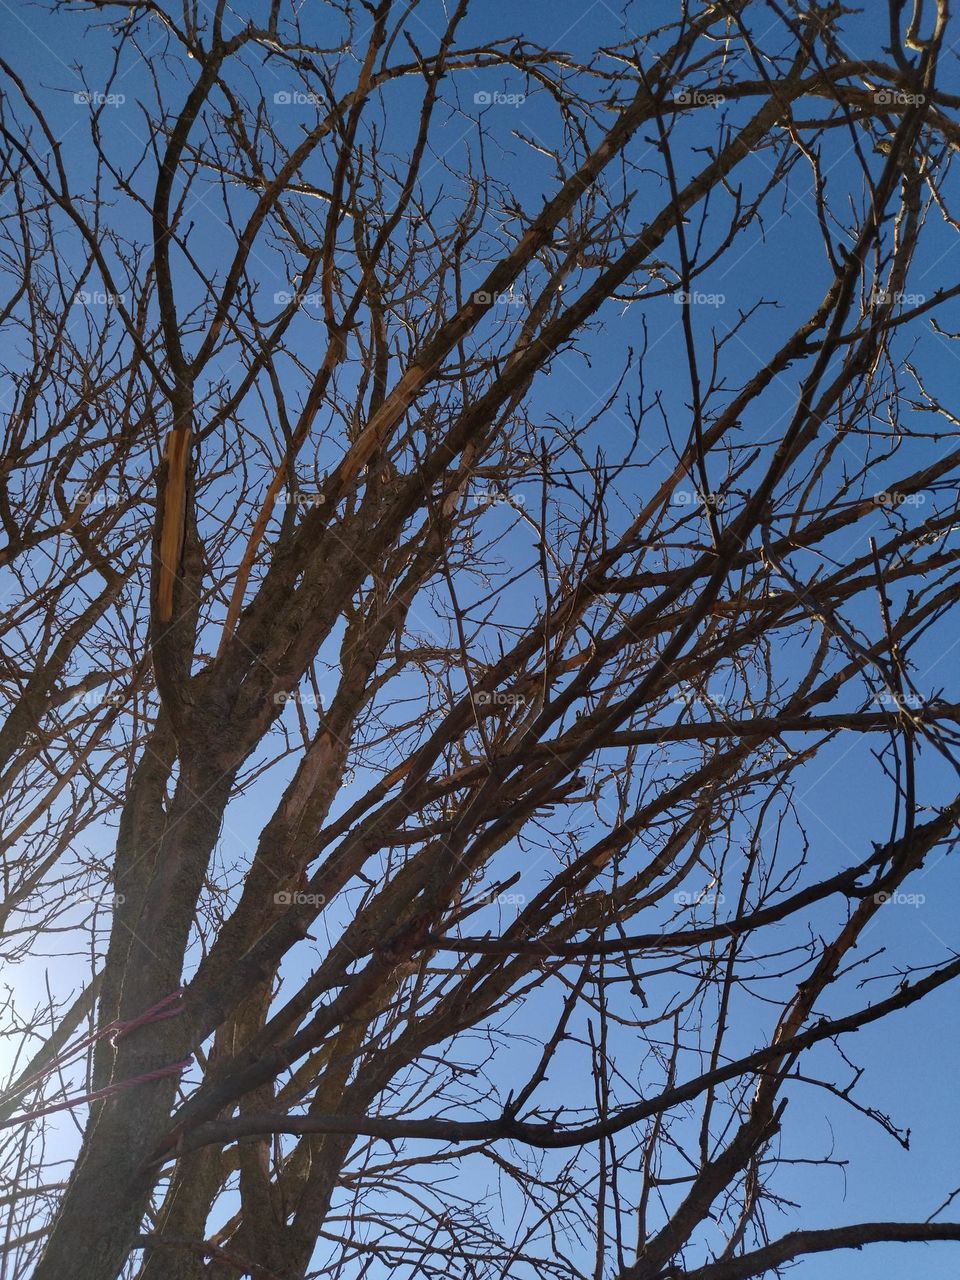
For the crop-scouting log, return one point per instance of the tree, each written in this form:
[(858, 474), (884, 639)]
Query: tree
[(435, 568)]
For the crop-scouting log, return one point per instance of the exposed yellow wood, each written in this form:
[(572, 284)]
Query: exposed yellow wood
[(174, 518)]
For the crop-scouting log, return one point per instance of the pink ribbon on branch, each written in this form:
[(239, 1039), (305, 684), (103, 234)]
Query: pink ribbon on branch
[(169, 1007)]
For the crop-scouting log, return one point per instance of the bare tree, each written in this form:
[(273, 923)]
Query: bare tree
[(411, 684)]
